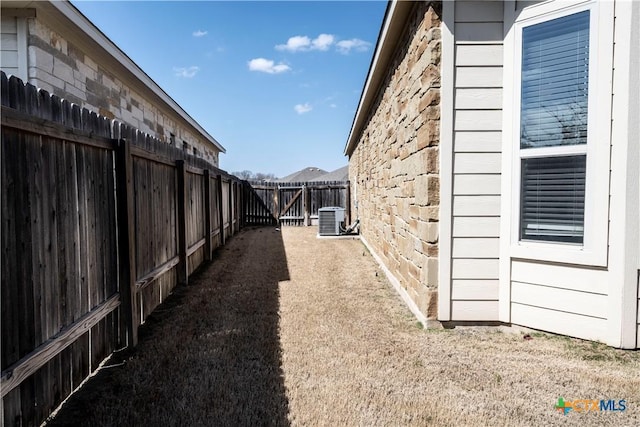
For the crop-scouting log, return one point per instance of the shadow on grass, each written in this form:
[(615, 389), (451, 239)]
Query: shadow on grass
[(210, 355)]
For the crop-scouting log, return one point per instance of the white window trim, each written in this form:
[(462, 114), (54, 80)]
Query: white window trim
[(594, 250)]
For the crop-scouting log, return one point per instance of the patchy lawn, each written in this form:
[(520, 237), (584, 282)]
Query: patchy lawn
[(284, 328)]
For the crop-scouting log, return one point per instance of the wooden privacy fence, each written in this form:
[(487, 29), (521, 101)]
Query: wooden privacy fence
[(297, 203), (99, 223)]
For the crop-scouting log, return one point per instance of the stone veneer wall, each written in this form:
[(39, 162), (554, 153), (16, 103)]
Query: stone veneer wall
[(61, 68), (394, 167)]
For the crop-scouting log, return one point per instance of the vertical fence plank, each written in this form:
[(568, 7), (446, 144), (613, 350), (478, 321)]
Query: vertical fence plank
[(306, 191), (207, 216), (126, 241), (220, 210), (183, 266), (347, 202)]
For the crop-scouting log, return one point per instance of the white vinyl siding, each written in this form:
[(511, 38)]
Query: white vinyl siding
[(560, 322), (476, 160), (586, 295), (9, 45)]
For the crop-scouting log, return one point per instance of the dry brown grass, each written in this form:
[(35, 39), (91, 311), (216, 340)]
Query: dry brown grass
[(288, 329)]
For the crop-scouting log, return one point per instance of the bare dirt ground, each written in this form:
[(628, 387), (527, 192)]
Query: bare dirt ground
[(286, 329)]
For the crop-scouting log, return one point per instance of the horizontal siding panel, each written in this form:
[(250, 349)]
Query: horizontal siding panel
[(476, 205), (9, 42), (478, 99), (480, 290), (476, 184), (8, 26), (476, 247), (560, 276), (478, 120), (590, 328), (478, 55), (576, 302), (475, 32), (9, 60), (474, 268), (478, 11), (476, 227), (477, 142), (477, 163), (10, 70), (474, 311), (488, 77)]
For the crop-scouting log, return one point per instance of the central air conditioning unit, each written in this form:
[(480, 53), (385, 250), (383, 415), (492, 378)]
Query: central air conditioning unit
[(330, 221)]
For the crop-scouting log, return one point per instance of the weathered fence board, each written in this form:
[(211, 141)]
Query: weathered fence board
[(297, 203), (91, 225)]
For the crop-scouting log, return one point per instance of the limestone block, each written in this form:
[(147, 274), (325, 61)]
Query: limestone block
[(424, 190), (78, 93), (429, 134), (430, 98), (429, 158), (431, 267), (427, 302), (38, 76), (430, 213), (41, 59), (63, 71), (430, 77), (414, 165)]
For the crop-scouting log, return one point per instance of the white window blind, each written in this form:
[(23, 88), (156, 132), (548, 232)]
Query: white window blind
[(555, 80), (554, 101), (553, 198)]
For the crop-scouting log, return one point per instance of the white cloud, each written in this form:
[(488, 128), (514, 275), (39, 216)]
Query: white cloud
[(200, 33), (304, 43), (186, 72), (345, 46), (295, 44), (333, 106), (303, 108), (323, 42), (267, 66)]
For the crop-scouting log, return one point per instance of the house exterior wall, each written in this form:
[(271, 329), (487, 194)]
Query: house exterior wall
[(485, 272), (61, 67), (585, 299), (476, 166), (9, 34), (394, 167)]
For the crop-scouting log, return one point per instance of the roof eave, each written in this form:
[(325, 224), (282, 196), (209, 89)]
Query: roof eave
[(392, 28)]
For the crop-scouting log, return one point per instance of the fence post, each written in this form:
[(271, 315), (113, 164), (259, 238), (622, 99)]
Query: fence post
[(230, 203), (307, 205), (126, 239), (348, 202), (276, 202), (220, 210), (242, 203), (183, 266), (207, 216)]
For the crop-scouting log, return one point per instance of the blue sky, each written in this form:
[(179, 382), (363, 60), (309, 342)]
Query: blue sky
[(276, 83)]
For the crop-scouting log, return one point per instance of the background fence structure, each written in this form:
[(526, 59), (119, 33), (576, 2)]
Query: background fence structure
[(297, 203), (99, 223)]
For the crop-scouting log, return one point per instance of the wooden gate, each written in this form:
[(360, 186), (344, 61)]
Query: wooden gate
[(291, 205), (297, 203)]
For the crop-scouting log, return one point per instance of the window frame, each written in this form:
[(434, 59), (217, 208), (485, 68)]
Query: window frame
[(593, 251)]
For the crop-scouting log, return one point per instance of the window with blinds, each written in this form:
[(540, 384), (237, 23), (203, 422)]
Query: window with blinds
[(553, 198), (553, 113)]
